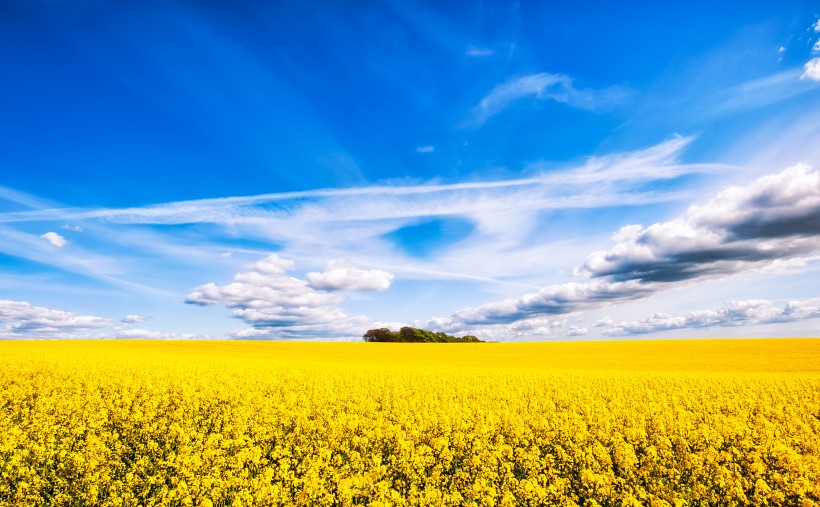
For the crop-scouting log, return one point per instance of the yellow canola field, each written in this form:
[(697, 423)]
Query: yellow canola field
[(122, 423)]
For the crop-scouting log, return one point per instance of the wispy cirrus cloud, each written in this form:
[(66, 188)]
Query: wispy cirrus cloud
[(354, 223), (757, 93), (544, 86), (18, 199), (89, 263), (766, 224), (548, 188), (478, 52)]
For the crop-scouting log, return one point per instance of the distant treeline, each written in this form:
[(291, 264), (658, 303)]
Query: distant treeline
[(414, 335)]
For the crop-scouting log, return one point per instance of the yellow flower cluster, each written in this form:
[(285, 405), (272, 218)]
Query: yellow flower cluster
[(217, 424)]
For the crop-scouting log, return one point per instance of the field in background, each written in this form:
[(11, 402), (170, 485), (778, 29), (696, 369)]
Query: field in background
[(720, 422)]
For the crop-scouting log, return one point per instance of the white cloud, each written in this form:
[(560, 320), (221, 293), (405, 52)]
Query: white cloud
[(341, 275), (526, 329), (24, 199), (425, 149), (280, 306), (756, 93), (250, 333), (559, 299), (354, 223), (606, 321), (577, 331), (540, 327), (272, 265), (55, 239), (22, 320), (74, 228), (731, 314), (145, 334), (551, 188), (479, 52), (19, 319), (132, 319), (105, 268), (812, 70), (768, 224), (322, 224), (773, 218), (544, 86)]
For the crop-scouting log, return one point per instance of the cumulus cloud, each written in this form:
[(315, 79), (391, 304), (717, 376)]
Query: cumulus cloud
[(606, 321), (341, 275), (774, 218), (577, 331), (529, 328), (535, 327), (425, 149), (556, 299), (543, 86), (811, 70), (75, 228), (277, 305), (251, 333), (132, 319), (20, 319), (733, 313), (55, 239), (769, 223)]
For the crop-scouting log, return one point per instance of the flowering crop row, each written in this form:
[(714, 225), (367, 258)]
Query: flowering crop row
[(173, 429)]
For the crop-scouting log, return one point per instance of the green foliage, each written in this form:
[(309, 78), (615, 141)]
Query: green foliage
[(415, 335), (381, 335)]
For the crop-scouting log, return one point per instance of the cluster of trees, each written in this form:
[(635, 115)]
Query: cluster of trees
[(414, 335)]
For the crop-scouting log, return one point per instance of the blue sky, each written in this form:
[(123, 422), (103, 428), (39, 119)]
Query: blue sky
[(514, 170)]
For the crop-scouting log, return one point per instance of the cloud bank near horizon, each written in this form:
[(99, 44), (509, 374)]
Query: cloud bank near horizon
[(768, 224), (20, 319), (732, 314)]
